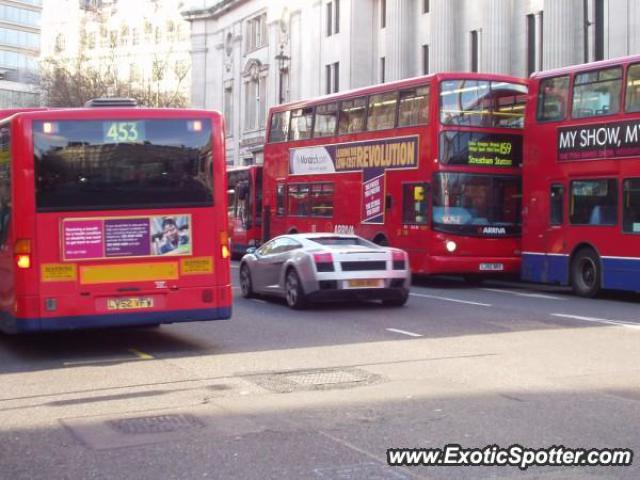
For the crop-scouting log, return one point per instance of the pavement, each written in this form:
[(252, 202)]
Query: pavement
[(323, 393)]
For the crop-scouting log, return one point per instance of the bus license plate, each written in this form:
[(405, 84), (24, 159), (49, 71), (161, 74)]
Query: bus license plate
[(365, 283), (491, 267), (132, 303)]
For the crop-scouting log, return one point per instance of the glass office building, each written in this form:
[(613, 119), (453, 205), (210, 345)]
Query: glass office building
[(19, 52)]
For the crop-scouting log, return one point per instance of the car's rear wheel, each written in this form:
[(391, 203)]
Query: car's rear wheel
[(246, 286), (398, 301), (296, 298)]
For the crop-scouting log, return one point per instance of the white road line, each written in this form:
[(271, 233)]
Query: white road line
[(235, 266), (403, 332), (257, 300), (447, 299), (523, 294), (598, 320)]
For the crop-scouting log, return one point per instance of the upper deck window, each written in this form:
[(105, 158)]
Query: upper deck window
[(353, 114), (597, 93), (301, 123), (382, 111), (632, 102), (481, 103), (279, 130), (553, 98), (326, 120), (414, 107), (122, 164)]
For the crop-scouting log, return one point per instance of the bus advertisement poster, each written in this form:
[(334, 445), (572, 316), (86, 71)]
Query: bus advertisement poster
[(373, 192), (126, 237)]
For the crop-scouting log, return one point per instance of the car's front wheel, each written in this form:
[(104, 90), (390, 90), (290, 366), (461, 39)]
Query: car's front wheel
[(246, 286), (296, 298)]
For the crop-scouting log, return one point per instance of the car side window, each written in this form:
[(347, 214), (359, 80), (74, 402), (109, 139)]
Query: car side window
[(266, 249)]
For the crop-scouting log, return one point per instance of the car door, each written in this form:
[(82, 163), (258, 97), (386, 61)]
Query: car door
[(273, 262)]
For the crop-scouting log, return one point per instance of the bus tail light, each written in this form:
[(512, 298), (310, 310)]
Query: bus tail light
[(224, 245), (399, 261), (22, 252), (324, 262)]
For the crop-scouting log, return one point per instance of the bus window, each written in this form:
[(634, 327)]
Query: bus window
[(553, 97), (5, 184), (556, 203), (414, 107), (594, 202), (382, 111), (280, 200), (298, 200), (326, 120), (414, 203), (352, 115), (322, 200), (632, 102), (597, 93), (279, 130), (510, 100), (631, 207), (301, 122)]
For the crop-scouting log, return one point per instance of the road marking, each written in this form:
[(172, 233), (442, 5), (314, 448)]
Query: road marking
[(141, 355), (522, 294), (235, 266), (98, 361), (403, 332), (447, 299), (598, 320), (259, 301)]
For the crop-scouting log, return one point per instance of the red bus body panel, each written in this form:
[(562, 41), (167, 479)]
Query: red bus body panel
[(185, 290)]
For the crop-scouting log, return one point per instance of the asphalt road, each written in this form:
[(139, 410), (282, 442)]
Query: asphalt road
[(322, 394)]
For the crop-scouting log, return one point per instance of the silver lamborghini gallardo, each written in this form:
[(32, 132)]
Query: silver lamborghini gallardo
[(326, 267)]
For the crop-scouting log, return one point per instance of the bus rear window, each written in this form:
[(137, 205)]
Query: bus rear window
[(553, 97), (122, 164)]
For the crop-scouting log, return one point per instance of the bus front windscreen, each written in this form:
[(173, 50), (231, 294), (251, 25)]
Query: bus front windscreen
[(122, 164), (482, 103), (477, 205)]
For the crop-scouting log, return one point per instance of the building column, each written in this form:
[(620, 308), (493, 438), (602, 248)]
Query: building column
[(496, 55), (445, 46), (563, 33)]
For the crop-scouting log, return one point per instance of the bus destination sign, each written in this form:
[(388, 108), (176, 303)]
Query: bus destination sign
[(589, 142), (480, 149)]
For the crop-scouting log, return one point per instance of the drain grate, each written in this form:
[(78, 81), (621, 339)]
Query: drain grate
[(156, 424), (314, 379)]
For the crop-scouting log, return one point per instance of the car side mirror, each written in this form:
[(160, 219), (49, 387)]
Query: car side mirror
[(251, 250)]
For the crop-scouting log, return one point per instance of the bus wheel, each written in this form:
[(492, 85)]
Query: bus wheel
[(586, 273), (381, 240), (296, 298), (246, 287)]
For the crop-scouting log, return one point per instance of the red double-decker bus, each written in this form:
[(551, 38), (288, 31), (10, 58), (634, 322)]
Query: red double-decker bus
[(112, 216), (245, 207), (582, 177), (429, 164)]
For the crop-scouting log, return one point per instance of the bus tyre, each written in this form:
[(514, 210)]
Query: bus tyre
[(246, 287), (296, 298), (381, 240), (586, 273), (398, 301)]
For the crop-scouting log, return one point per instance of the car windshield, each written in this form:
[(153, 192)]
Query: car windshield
[(343, 241)]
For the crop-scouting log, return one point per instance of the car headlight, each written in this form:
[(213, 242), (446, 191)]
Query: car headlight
[(451, 246)]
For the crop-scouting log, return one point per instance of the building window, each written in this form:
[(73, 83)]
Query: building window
[(60, 43), (333, 17), (382, 69), (475, 50), (257, 32), (255, 101), (425, 6), (332, 77), (383, 13), (336, 16), (534, 42), (425, 59), (228, 110), (329, 19)]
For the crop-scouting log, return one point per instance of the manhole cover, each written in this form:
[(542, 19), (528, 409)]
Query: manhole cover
[(315, 379), (157, 424)]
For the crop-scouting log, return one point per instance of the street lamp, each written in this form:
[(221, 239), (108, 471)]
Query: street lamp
[(283, 66)]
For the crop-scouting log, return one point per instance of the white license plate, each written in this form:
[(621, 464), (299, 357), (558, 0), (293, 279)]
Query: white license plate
[(132, 303), (491, 267), (365, 283)]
